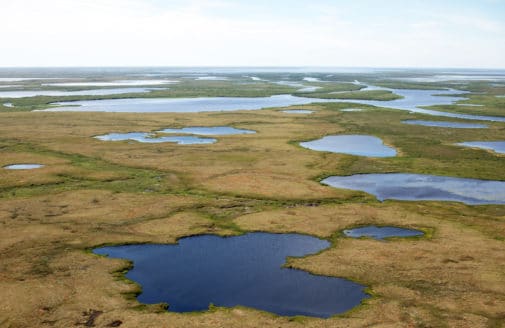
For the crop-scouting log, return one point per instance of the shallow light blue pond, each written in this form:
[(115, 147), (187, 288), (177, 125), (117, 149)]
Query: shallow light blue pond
[(496, 146), (457, 125), (94, 92), (23, 166), (381, 233), (404, 186), (149, 138), (243, 270), (359, 145), (209, 130)]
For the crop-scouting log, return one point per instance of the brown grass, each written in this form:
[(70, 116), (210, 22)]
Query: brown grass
[(92, 193)]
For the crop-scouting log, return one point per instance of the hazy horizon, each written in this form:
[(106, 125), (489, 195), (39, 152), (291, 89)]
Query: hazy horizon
[(222, 33)]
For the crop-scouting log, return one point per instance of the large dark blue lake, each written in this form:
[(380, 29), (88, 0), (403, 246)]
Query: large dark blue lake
[(244, 270)]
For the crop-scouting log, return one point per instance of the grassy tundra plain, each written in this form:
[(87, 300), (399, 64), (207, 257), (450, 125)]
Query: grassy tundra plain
[(92, 193)]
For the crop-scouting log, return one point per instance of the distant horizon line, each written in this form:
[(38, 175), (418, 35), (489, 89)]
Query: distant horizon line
[(256, 67)]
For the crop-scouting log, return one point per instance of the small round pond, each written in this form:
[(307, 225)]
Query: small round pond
[(244, 270), (360, 145), (23, 166), (405, 186), (381, 233)]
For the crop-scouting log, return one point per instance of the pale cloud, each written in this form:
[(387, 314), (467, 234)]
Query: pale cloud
[(220, 32)]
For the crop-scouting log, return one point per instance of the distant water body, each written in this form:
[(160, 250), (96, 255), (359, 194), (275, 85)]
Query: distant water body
[(412, 101)]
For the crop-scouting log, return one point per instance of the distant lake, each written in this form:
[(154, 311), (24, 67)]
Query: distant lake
[(456, 125), (381, 233), (496, 146), (111, 83), (23, 166), (209, 130), (412, 101), (298, 111), (149, 138), (94, 92), (360, 145), (244, 270), (405, 186), (353, 110), (212, 78)]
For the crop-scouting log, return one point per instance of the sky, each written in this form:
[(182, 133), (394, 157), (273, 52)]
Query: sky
[(316, 33)]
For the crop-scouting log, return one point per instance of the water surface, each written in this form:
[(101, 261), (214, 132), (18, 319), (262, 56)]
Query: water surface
[(211, 78), (381, 233), (94, 92), (111, 83), (456, 125), (412, 101), (352, 110), (181, 105), (405, 186), (298, 111), (208, 130), (496, 146), (242, 270), (150, 138), (308, 89), (21, 79), (311, 79), (359, 145), (23, 166)]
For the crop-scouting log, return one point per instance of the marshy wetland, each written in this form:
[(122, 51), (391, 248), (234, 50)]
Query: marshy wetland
[(254, 202)]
